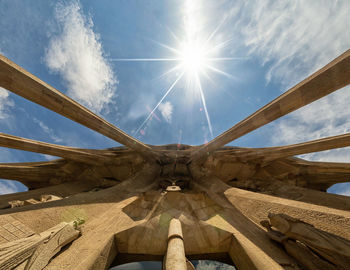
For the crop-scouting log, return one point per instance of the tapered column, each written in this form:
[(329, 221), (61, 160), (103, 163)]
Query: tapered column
[(175, 255)]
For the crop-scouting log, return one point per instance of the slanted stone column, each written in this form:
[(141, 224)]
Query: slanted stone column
[(175, 256)]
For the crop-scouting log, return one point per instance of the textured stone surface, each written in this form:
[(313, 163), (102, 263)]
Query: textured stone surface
[(220, 209)]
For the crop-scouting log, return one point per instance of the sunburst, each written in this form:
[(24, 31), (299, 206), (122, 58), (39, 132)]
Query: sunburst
[(194, 57)]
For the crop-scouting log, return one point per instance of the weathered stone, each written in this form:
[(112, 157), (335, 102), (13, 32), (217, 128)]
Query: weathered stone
[(34, 252), (222, 200)]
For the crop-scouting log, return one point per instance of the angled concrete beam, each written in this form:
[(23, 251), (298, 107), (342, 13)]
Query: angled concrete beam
[(62, 190), (314, 167), (42, 174), (26, 172), (26, 85), (76, 154), (330, 78), (328, 178), (273, 153), (323, 181)]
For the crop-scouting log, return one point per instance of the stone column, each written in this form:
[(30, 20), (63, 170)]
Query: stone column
[(175, 256)]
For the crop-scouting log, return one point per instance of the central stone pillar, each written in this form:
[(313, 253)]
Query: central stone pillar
[(175, 255)]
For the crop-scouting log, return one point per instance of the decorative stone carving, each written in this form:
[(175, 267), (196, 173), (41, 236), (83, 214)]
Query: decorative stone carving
[(34, 252), (43, 198), (11, 229), (313, 248)]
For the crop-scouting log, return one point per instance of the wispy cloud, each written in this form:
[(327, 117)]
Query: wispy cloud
[(140, 107), (5, 103), (48, 157), (76, 53), (293, 39), (48, 130), (213, 265), (166, 109), (326, 117), (7, 187)]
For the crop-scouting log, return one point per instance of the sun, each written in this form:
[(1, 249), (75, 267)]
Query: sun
[(192, 57)]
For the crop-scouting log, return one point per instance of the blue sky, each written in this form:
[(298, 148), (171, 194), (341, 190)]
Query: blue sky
[(268, 47)]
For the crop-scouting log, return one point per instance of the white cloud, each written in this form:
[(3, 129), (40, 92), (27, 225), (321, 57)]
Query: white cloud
[(326, 117), (166, 110), (293, 39), (141, 106), (7, 187), (47, 130), (49, 157), (76, 54), (213, 265), (5, 103)]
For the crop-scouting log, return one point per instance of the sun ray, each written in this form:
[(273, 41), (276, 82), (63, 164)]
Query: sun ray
[(204, 106), (219, 46), (160, 101), (221, 72), (215, 30), (173, 34), (177, 67), (143, 59), (174, 50), (194, 55), (226, 58), (205, 73)]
